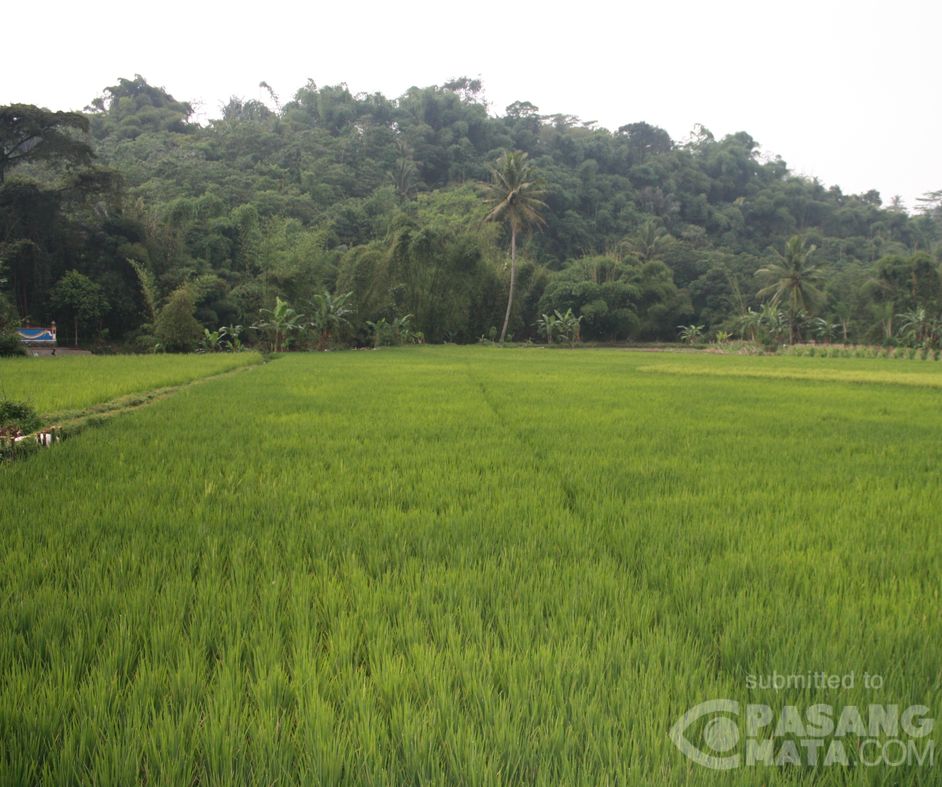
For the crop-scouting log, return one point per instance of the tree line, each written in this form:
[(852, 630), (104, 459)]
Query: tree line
[(429, 217)]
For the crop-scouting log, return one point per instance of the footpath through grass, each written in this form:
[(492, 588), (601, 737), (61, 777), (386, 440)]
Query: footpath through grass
[(66, 383), (467, 565)]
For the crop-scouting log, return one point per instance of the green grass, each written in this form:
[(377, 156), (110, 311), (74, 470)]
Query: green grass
[(820, 369), (465, 565), (56, 384)]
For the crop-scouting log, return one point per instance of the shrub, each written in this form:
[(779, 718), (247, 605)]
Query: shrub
[(18, 416), (10, 344), (176, 327), (145, 343)]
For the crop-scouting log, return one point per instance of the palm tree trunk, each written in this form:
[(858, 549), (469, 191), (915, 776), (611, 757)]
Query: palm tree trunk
[(513, 278)]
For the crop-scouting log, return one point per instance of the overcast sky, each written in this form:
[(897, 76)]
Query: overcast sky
[(848, 92)]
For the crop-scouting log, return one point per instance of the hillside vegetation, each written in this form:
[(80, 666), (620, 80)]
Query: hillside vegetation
[(131, 209)]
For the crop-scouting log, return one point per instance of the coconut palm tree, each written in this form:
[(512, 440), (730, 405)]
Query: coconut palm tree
[(794, 280), (514, 196), (824, 330), (648, 240)]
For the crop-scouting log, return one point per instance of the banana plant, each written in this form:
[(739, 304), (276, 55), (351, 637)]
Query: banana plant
[(568, 326), (280, 323), (548, 327), (690, 333), (328, 315)]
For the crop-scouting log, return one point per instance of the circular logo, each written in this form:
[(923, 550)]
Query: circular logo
[(721, 734)]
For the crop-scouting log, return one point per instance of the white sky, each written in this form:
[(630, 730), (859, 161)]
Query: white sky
[(845, 91)]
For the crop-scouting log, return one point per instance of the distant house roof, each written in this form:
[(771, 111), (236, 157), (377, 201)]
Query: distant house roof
[(37, 336)]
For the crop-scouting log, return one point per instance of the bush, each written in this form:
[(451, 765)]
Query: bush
[(18, 416), (10, 344), (176, 327), (145, 343)]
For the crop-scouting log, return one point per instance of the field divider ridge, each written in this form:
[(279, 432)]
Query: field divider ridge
[(69, 423), (570, 497)]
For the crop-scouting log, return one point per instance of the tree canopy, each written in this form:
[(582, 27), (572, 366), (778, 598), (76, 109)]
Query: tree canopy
[(332, 192), (28, 133)]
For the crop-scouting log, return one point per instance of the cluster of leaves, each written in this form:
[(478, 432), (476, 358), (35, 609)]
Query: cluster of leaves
[(398, 331), (18, 417), (179, 228), (558, 327), (224, 339)]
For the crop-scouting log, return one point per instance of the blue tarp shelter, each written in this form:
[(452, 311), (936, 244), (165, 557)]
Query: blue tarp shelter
[(39, 337)]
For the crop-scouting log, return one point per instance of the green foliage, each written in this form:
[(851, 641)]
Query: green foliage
[(81, 300), (18, 417), (176, 327), (28, 133), (558, 327), (226, 338), (618, 300), (213, 341), (396, 332), (690, 334), (148, 285), (793, 280), (386, 197), (329, 315), (514, 197), (548, 327), (133, 107), (281, 324), (919, 328), (10, 344)]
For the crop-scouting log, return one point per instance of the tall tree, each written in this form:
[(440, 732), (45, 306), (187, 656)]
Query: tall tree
[(793, 279), (514, 194), (30, 133), (175, 326), (81, 299)]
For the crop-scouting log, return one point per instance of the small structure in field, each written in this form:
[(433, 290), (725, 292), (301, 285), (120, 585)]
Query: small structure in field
[(32, 336)]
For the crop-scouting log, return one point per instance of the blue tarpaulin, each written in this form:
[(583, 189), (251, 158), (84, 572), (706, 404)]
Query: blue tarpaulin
[(36, 335)]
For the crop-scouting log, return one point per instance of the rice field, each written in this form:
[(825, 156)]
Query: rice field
[(473, 566), (65, 383)]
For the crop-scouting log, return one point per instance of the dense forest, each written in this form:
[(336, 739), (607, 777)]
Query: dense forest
[(357, 219)]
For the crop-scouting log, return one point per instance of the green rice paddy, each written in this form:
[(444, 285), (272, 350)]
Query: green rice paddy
[(54, 385), (466, 566)]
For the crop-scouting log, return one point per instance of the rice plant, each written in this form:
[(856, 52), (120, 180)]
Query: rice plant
[(468, 565), (53, 385)]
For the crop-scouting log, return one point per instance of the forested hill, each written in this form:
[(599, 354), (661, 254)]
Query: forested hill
[(125, 232)]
